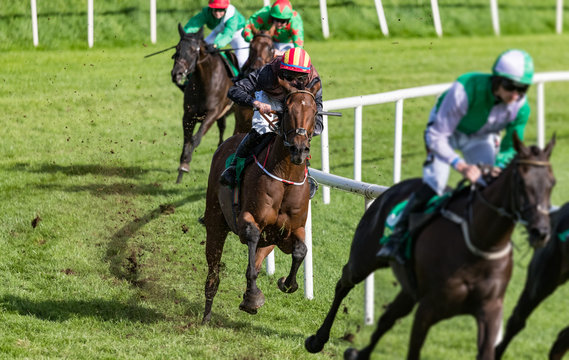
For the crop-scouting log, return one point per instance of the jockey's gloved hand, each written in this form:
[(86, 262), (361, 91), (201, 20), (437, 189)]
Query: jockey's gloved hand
[(210, 48)]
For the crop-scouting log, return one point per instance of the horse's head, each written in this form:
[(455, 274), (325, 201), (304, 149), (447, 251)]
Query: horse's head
[(260, 50), (297, 125), (187, 54), (534, 179)]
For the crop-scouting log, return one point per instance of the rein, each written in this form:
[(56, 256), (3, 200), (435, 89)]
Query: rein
[(516, 217)]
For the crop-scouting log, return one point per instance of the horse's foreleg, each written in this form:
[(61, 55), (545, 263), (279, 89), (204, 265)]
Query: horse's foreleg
[(213, 250), (289, 284), (489, 321), (560, 346), (540, 283), (188, 125), (221, 124), (253, 297), (400, 307)]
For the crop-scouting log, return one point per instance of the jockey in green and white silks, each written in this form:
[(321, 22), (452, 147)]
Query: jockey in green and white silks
[(468, 118), (287, 21), (470, 115), (226, 25)]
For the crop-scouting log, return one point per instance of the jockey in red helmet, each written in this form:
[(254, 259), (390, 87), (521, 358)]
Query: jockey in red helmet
[(261, 90), (226, 25)]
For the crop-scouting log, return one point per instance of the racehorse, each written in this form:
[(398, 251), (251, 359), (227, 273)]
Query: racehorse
[(548, 269), (261, 52), (205, 82), (273, 201), (464, 271)]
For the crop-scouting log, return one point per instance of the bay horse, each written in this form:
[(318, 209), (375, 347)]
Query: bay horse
[(273, 201), (261, 52), (548, 269), (205, 81), (462, 259)]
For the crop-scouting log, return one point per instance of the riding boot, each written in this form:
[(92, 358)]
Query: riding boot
[(228, 177), (394, 249)]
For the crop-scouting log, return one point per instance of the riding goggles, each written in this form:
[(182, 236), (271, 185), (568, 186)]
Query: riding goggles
[(510, 85), (291, 76)]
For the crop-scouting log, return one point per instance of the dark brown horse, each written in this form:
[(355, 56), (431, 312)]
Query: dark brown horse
[(272, 212), (205, 82), (548, 269), (261, 52), (457, 269)]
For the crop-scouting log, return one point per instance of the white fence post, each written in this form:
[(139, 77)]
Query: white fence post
[(153, 21), (495, 19), (90, 26), (381, 17), (308, 274), (325, 160), (397, 141), (324, 18), (270, 263), (369, 289), (436, 17), (34, 22), (559, 17), (540, 114), (358, 143)]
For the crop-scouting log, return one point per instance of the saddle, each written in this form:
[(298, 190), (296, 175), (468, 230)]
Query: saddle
[(230, 61)]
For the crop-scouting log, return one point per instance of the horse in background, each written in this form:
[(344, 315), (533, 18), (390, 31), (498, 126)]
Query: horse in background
[(261, 52), (272, 201), (548, 269), (203, 78), (461, 260)]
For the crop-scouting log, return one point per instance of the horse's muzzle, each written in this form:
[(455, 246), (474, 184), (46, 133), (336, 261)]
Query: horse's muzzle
[(299, 153), (539, 236)]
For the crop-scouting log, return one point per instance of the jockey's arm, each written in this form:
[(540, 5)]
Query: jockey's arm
[(243, 91), (196, 22), (318, 124), (297, 31), (507, 151)]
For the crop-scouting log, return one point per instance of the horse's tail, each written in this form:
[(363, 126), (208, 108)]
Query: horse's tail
[(201, 220)]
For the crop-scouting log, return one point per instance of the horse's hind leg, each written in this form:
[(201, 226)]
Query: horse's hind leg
[(216, 235), (188, 124), (289, 284), (400, 307), (560, 346)]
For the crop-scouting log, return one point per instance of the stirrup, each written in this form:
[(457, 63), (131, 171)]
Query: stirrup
[(313, 186), (228, 177)]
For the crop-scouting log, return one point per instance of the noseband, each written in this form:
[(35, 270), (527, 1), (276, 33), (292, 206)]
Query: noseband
[(185, 64), (298, 131), (515, 206)]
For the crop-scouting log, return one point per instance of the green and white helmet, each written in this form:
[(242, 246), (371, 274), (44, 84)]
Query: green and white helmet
[(516, 65)]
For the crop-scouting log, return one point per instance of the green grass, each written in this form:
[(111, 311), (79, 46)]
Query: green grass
[(91, 140)]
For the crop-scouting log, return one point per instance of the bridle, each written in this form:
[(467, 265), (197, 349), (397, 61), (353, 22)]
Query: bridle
[(517, 209), (298, 131), (181, 61)]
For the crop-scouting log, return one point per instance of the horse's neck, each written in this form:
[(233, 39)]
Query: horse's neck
[(490, 230)]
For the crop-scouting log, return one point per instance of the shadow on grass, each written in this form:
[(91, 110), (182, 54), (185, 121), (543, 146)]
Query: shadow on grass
[(128, 172), (123, 189), (62, 310)]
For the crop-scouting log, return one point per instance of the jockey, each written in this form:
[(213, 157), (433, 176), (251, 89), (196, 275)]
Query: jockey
[(225, 23), (469, 117), (261, 90), (288, 25)]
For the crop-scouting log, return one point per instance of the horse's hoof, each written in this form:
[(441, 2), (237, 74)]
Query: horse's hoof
[(286, 289), (206, 318), (350, 354), (184, 167), (251, 302), (312, 345)]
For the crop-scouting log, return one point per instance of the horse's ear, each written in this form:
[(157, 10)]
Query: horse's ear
[(200, 33), (286, 85), (315, 88), (519, 145), (549, 147), (181, 30)]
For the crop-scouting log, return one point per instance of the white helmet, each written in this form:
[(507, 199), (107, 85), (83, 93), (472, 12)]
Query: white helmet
[(516, 65)]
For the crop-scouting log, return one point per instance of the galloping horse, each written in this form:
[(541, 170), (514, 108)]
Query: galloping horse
[(462, 259), (261, 52), (548, 269), (273, 201), (205, 93)]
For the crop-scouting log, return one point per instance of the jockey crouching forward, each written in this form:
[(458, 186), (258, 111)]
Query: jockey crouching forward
[(469, 117), (226, 25), (261, 90)]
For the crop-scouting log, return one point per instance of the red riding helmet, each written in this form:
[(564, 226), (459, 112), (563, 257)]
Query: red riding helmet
[(218, 4), (297, 60)]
